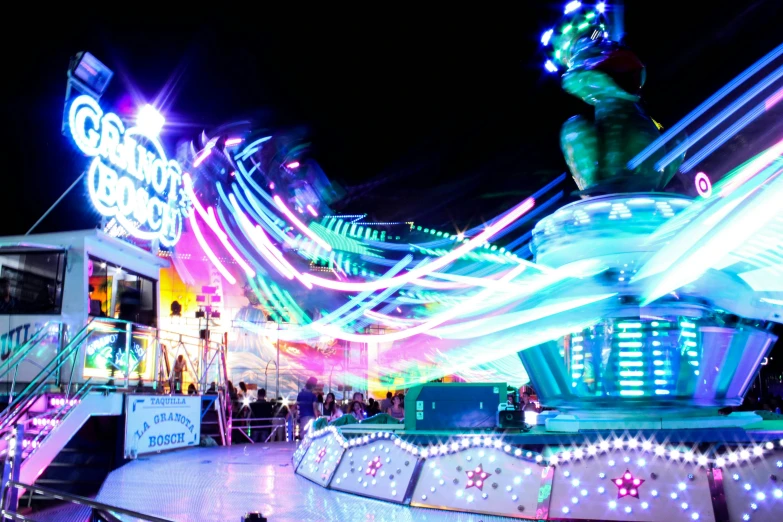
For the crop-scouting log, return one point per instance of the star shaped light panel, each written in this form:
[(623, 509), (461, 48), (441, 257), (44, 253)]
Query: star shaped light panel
[(322, 457), (380, 466), (754, 487), (626, 484), (479, 476)]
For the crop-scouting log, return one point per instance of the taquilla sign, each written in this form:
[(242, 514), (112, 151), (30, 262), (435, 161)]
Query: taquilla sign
[(156, 424)]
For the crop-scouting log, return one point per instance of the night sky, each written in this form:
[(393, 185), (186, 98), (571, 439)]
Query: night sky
[(442, 116)]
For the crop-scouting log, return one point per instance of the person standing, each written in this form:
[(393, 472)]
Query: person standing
[(387, 402), (306, 405), (178, 374)]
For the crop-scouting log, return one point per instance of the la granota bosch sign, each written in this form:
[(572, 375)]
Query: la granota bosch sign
[(130, 177)]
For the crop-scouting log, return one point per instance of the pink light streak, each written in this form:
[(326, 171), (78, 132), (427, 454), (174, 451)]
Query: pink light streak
[(312, 210), (301, 226), (773, 100), (292, 165), (753, 168), (209, 218), (437, 264), (233, 141), (208, 251), (202, 156)]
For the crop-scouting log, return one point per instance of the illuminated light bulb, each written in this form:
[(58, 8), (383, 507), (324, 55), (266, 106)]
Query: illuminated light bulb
[(681, 486), (628, 509), (702, 460), (514, 498), (684, 505), (632, 443), (604, 445), (646, 445), (760, 496), (618, 443), (695, 516), (720, 462), (574, 500), (566, 473), (744, 454), (733, 458), (660, 451), (777, 493), (578, 454), (623, 492), (758, 450), (611, 463), (688, 456), (583, 492), (601, 490), (636, 482), (572, 6), (292, 165), (675, 454), (612, 504), (674, 496), (619, 482), (565, 509), (547, 36), (592, 450), (747, 487), (575, 483), (645, 505), (769, 445), (627, 476), (600, 7)]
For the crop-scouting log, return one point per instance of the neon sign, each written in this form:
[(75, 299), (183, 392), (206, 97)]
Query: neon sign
[(130, 178)]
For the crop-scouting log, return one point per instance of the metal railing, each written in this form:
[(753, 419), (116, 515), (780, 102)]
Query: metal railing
[(247, 425), (9, 512)]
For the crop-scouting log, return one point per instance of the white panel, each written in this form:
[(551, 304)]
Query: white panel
[(483, 478), (669, 490), (382, 467), (754, 489), (322, 457)]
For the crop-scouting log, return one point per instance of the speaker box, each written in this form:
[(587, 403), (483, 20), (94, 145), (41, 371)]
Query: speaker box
[(511, 419)]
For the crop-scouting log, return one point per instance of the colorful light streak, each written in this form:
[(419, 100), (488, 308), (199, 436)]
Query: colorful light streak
[(704, 107), (301, 226)]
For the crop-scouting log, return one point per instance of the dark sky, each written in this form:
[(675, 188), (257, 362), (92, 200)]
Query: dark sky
[(449, 110)]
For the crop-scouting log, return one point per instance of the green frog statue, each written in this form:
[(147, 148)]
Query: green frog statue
[(608, 76)]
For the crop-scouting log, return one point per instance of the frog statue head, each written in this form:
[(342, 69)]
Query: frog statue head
[(607, 75)]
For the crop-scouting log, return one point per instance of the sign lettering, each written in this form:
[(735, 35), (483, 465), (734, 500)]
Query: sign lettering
[(130, 178)]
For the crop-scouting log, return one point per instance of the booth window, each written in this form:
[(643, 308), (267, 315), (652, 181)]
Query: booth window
[(31, 282), (121, 294)]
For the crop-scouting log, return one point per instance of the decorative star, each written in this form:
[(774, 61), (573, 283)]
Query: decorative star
[(627, 485), (320, 456), (476, 478), (373, 466)]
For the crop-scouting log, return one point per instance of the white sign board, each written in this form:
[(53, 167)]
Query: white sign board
[(156, 423)]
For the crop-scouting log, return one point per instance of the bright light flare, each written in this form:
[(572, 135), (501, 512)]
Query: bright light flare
[(572, 6), (149, 120), (292, 165)]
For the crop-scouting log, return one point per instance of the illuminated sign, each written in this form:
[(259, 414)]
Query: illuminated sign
[(130, 178)]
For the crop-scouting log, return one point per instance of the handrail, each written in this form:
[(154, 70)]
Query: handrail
[(24, 399), (59, 415), (75, 499)]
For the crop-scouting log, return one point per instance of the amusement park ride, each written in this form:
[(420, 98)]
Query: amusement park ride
[(642, 314)]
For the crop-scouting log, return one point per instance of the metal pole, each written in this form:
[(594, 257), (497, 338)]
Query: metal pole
[(128, 340), (55, 203), (277, 364)]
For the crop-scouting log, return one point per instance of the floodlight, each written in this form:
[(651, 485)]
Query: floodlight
[(89, 74)]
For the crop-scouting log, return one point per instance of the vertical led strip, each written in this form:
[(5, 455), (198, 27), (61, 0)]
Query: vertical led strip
[(301, 226)]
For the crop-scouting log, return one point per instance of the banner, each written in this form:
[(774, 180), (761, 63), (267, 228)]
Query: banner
[(159, 423)]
